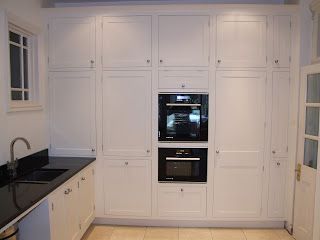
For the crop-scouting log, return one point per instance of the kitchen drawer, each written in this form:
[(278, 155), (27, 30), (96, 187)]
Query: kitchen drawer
[(185, 201), (183, 79)]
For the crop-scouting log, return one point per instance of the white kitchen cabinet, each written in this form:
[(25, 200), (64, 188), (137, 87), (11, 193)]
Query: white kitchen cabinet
[(58, 223), (280, 114), (241, 41), (182, 201), (239, 140), (277, 188), (184, 40), (72, 113), (127, 187), (127, 41), (127, 113), (183, 79), (72, 42), (281, 41)]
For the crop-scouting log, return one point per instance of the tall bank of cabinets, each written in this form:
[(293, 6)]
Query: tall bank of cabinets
[(183, 43)]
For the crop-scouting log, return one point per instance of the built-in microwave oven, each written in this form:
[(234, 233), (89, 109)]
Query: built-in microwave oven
[(183, 117), (182, 164)]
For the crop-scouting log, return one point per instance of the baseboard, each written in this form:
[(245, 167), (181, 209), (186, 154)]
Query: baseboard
[(189, 223)]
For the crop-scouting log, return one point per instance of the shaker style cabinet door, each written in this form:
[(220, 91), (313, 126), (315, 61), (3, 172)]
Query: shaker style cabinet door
[(126, 113), (127, 187), (72, 43), (241, 41), (184, 41), (127, 41), (281, 41), (280, 114), (72, 113)]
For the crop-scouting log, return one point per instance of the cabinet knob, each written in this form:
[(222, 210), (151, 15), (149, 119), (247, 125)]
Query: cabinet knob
[(148, 151), (273, 151), (92, 61), (66, 192), (93, 150), (217, 151), (219, 61), (183, 85), (278, 164), (276, 61), (161, 61), (148, 61), (126, 163), (83, 178), (181, 190)]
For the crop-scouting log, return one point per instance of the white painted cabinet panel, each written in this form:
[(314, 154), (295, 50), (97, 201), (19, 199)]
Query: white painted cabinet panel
[(277, 188), (58, 223), (72, 43), (72, 113), (184, 79), (182, 201), (127, 186), (127, 41), (127, 113), (280, 114), (281, 41), (240, 118), (184, 40), (241, 41)]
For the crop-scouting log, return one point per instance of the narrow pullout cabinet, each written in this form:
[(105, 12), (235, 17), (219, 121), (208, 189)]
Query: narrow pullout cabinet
[(184, 40), (182, 201), (127, 113), (240, 126), (241, 41), (72, 42), (127, 186), (127, 41), (281, 41), (72, 113), (72, 207)]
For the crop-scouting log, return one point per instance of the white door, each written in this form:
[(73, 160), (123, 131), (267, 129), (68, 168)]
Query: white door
[(241, 41), (127, 113), (240, 128), (280, 114), (308, 154), (72, 42), (127, 187), (57, 216), (127, 41), (184, 40), (281, 41), (72, 113)]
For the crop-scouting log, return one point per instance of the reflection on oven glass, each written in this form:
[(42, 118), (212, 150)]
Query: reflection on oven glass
[(182, 169)]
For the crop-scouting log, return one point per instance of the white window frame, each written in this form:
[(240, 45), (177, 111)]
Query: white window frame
[(21, 27)]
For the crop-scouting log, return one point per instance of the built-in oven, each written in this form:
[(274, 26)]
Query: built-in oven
[(183, 117), (182, 164)]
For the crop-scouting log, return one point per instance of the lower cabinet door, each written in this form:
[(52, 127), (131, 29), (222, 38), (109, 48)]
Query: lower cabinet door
[(57, 216), (277, 185), (182, 201), (127, 186)]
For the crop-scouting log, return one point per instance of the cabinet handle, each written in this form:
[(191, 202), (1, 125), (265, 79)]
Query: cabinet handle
[(83, 178), (183, 85), (219, 61), (66, 192), (276, 61), (126, 163), (181, 190), (93, 150), (161, 61), (148, 61), (92, 62), (70, 190), (278, 163), (274, 151), (148, 151), (217, 151)]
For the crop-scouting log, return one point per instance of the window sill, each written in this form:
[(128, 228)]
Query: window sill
[(21, 107)]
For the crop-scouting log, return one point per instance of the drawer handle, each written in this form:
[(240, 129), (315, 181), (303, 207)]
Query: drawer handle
[(181, 190)]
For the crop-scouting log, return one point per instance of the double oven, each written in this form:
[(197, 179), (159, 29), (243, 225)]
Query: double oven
[(182, 118)]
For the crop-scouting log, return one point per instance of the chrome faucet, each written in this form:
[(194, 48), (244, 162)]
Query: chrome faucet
[(13, 163)]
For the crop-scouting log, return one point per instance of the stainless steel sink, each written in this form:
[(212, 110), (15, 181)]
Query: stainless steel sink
[(41, 176)]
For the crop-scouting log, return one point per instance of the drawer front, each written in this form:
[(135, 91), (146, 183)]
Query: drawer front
[(183, 79), (185, 201)]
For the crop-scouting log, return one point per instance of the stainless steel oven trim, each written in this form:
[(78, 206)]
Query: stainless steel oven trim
[(183, 104), (181, 159)]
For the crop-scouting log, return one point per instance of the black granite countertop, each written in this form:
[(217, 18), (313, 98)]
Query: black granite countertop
[(16, 198)]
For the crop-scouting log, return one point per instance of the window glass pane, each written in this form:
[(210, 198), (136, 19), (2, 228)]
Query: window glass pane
[(312, 121), (25, 68), (310, 153), (16, 95), (15, 66), (313, 88), (26, 96), (14, 37), (25, 41)]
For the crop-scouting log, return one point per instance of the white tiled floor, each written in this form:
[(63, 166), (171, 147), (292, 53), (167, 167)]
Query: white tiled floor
[(104, 232)]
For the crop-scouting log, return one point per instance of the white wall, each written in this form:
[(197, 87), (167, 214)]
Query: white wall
[(31, 124), (306, 32)]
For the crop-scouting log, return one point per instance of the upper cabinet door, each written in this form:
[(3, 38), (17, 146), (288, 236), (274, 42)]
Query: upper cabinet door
[(280, 114), (281, 41), (127, 41), (72, 113), (184, 40), (241, 41), (72, 43), (127, 113)]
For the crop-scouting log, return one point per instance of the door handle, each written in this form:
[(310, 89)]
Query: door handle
[(298, 171)]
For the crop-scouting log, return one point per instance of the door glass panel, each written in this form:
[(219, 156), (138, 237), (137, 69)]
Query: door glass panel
[(313, 88), (312, 121), (310, 153)]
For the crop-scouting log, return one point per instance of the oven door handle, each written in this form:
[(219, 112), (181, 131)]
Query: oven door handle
[(183, 104), (182, 159)]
